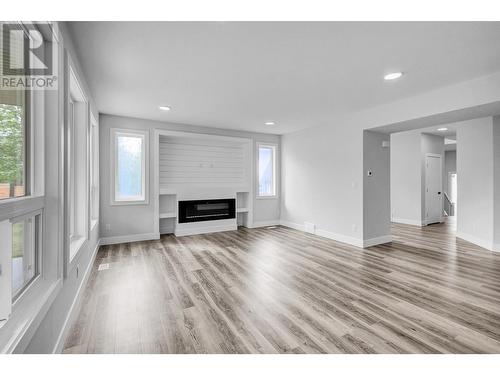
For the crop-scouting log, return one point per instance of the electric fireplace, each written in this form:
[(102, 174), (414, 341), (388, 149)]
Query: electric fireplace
[(205, 210)]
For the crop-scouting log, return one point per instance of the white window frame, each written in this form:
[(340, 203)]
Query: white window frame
[(27, 302), (274, 147), (71, 170), (78, 166), (33, 239), (114, 134), (94, 172)]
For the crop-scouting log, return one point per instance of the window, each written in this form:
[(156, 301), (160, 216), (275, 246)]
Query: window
[(130, 166), (77, 166), (14, 130), (71, 163), (25, 252), (20, 258), (94, 172), (266, 171), (31, 161)]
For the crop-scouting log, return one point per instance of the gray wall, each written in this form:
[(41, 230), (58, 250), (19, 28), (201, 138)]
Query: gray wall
[(55, 321), (139, 219), (475, 181), (406, 177), (376, 188), (496, 183), (408, 150), (450, 165)]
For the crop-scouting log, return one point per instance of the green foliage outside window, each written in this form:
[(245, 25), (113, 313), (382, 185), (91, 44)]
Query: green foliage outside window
[(11, 145)]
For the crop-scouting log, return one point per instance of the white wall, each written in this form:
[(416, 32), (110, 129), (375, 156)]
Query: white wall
[(322, 174), (475, 181), (200, 163), (50, 334), (119, 217), (322, 181)]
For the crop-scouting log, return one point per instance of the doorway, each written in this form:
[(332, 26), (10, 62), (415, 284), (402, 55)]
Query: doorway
[(433, 189), (451, 197)]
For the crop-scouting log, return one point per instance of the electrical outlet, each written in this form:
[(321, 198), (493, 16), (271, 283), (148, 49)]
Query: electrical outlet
[(108, 227), (354, 228)]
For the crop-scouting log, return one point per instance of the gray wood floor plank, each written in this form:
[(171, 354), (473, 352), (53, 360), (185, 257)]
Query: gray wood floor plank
[(278, 290)]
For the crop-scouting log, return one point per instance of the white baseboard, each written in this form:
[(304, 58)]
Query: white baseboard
[(260, 224), (489, 245), (289, 224), (323, 233), (188, 231), (76, 304), (399, 220), (425, 222), (377, 241), (129, 238), (496, 247), (167, 229)]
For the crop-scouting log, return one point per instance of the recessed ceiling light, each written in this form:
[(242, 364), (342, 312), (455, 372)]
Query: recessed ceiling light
[(164, 108), (270, 123), (391, 76), (442, 129)]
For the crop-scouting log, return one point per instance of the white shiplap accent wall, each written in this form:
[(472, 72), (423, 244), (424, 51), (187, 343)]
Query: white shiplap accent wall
[(187, 161)]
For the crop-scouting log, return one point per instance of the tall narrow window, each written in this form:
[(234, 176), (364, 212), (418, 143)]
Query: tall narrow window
[(267, 170), (130, 166), (94, 172), (77, 166), (71, 163), (14, 129)]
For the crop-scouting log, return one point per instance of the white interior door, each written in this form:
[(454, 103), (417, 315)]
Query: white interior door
[(433, 189)]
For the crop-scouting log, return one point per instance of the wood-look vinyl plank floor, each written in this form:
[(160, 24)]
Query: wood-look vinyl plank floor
[(278, 290)]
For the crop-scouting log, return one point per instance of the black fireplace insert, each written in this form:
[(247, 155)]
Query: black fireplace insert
[(204, 210)]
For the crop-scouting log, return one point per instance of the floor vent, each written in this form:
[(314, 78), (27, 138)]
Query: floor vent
[(103, 266)]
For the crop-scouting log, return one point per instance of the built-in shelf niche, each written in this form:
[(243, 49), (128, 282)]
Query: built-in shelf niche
[(242, 207), (168, 206)]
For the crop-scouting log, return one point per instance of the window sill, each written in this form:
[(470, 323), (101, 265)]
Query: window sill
[(129, 203), (75, 247), (93, 224), (27, 314), (267, 197), (18, 206)]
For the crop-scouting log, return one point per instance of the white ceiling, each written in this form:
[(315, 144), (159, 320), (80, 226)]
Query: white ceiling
[(239, 75)]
